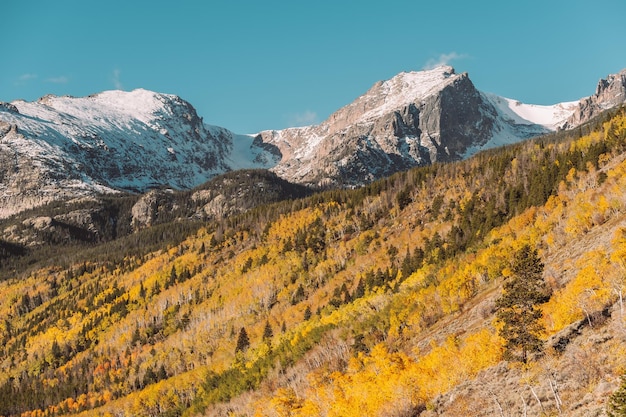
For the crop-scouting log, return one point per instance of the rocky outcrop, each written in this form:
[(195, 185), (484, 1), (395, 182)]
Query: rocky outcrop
[(150, 206), (610, 92), (419, 118)]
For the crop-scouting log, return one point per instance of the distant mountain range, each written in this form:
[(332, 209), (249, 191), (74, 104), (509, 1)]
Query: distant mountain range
[(66, 147)]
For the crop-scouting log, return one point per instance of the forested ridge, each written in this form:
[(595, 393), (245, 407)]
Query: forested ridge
[(381, 300)]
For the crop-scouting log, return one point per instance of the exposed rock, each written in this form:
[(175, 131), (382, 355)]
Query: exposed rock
[(610, 92), (64, 147), (8, 106), (39, 223), (414, 119), (217, 207), (149, 206)]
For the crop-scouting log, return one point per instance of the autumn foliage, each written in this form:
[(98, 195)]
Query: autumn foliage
[(347, 302)]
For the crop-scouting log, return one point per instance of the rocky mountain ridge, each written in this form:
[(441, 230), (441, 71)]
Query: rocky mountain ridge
[(66, 147), (610, 92)]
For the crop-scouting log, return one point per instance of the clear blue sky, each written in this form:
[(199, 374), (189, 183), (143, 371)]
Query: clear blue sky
[(255, 65)]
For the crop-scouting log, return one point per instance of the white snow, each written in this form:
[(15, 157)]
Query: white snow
[(404, 88), (137, 139), (550, 117), (245, 155), (517, 121)]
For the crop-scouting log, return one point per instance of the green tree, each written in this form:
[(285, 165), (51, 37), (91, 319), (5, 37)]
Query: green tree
[(307, 313), (617, 401), (518, 306), (268, 333), (172, 278), (243, 341), (142, 291)]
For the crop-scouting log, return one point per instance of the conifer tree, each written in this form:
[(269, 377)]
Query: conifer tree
[(268, 333), (360, 290), (517, 307), (162, 373), (243, 341), (172, 279)]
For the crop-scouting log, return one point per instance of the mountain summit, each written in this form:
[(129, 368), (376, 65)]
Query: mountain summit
[(66, 147), (60, 147), (415, 118)]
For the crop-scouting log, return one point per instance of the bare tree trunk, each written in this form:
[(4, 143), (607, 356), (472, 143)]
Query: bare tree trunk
[(555, 392), (537, 398), (525, 410), (495, 398)]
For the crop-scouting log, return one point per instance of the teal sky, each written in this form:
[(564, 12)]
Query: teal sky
[(255, 65)]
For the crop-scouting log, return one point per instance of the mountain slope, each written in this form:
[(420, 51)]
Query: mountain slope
[(46, 233), (353, 302), (610, 92)]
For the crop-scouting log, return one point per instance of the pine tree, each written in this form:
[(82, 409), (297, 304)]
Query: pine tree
[(359, 290), (307, 313), (268, 333), (243, 341), (172, 279), (517, 307), (617, 401)]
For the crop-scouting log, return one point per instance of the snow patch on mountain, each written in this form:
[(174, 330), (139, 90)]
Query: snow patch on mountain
[(140, 140), (551, 117), (517, 121), (404, 88)]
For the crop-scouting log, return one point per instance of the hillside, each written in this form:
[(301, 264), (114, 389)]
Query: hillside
[(373, 301), (137, 224)]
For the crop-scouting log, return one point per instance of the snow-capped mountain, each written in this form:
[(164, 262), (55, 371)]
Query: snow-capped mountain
[(60, 147), (415, 118), (65, 147)]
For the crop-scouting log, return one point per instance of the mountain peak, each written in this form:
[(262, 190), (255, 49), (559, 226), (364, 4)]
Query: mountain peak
[(445, 70), (408, 86), (397, 92), (610, 92)]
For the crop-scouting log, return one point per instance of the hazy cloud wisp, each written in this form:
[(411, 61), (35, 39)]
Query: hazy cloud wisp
[(24, 78), (443, 59)]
